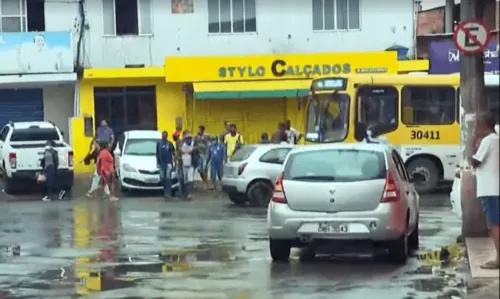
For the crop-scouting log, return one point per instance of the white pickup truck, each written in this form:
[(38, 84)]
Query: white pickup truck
[(22, 146)]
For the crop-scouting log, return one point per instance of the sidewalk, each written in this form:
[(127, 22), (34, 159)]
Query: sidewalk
[(484, 284)]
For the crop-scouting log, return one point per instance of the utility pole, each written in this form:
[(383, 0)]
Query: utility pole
[(473, 102)]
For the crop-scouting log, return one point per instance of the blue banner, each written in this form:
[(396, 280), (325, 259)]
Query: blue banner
[(36, 53), (445, 58)]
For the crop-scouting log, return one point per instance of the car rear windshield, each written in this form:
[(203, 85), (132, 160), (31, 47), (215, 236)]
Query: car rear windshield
[(243, 153), (34, 134), (335, 165)]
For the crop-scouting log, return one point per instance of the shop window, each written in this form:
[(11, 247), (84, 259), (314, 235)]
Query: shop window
[(126, 108), (378, 107), (335, 15), (429, 105), (127, 17), (231, 16)]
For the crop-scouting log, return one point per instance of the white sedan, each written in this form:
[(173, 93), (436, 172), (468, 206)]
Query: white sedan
[(135, 162)]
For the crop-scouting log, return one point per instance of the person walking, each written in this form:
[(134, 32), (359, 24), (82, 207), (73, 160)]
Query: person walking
[(50, 163), (233, 141), (165, 157), (486, 163), (106, 170), (95, 178), (186, 154), (216, 158), (201, 145)]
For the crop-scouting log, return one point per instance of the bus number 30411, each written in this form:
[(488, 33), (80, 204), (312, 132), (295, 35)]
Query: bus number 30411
[(428, 135)]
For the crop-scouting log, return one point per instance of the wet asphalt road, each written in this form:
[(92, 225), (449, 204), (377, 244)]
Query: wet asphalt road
[(144, 247)]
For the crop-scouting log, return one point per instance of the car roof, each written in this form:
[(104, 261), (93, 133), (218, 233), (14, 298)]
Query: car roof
[(379, 147), (28, 124), (143, 134)]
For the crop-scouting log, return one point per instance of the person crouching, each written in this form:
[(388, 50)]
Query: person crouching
[(50, 163), (106, 170)]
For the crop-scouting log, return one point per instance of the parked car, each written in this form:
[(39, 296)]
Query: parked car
[(22, 147), (337, 196), (249, 175), (135, 162)]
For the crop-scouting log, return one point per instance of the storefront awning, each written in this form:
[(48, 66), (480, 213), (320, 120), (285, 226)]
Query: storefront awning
[(251, 89)]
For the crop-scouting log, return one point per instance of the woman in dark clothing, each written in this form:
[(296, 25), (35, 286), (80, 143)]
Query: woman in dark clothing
[(50, 163)]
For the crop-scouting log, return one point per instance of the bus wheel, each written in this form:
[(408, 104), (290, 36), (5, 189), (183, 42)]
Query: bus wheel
[(425, 174)]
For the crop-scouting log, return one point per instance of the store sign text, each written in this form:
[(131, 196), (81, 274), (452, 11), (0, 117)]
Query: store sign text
[(279, 68)]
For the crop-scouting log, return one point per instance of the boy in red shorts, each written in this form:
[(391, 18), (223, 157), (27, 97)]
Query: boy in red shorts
[(106, 170)]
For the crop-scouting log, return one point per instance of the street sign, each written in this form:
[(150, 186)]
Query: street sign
[(471, 37)]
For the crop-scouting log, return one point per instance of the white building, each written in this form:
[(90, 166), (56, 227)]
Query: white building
[(37, 79), (126, 32)]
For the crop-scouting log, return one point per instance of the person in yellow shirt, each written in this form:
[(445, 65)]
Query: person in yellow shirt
[(233, 141)]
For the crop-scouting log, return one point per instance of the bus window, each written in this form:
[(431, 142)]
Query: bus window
[(492, 96), (378, 106), (327, 118), (429, 105)]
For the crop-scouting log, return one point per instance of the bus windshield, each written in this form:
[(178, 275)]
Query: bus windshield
[(327, 118)]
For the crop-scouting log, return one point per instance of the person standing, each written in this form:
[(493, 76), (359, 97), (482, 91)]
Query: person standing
[(186, 153), (50, 162), (264, 138), (106, 170), (233, 141), (201, 145), (165, 155), (280, 136), (95, 178), (293, 136), (486, 163), (216, 158), (104, 134)]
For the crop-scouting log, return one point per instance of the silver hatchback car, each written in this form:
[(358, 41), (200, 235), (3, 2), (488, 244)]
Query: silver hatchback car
[(339, 196), (251, 172)]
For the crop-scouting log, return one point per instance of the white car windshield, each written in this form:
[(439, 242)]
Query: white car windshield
[(141, 147)]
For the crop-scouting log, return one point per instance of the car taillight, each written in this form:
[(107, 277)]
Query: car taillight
[(278, 193), (242, 168), (12, 160), (391, 191), (70, 159)]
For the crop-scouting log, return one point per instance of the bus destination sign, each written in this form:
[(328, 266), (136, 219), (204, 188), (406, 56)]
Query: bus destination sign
[(330, 83)]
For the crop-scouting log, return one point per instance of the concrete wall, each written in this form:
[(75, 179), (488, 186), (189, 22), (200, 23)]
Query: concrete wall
[(282, 27), (58, 106)]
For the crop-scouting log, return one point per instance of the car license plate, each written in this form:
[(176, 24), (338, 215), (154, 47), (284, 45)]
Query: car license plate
[(333, 228), (152, 180)]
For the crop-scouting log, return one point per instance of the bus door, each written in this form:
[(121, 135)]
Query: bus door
[(377, 109)]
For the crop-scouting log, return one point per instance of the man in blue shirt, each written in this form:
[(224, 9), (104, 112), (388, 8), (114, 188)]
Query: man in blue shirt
[(104, 134), (216, 158), (165, 152)]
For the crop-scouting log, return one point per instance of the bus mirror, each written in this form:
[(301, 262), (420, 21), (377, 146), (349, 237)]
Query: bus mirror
[(360, 131)]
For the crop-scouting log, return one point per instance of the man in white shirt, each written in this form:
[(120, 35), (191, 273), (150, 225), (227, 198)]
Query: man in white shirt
[(293, 136), (486, 163)]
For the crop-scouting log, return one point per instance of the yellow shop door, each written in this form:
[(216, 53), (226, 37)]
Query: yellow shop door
[(251, 116)]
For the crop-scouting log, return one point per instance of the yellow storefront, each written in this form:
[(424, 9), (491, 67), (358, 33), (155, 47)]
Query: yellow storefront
[(168, 101), (256, 92)]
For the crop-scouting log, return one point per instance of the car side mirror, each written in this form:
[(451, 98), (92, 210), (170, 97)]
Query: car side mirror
[(360, 131), (62, 133)]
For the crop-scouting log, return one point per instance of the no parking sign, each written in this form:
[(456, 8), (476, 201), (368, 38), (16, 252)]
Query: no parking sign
[(471, 37)]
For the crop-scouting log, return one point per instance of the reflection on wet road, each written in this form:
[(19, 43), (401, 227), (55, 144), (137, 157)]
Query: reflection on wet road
[(149, 248)]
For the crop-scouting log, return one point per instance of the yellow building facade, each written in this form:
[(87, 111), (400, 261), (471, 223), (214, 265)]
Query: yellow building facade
[(254, 92)]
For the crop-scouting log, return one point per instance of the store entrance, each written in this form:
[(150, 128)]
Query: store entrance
[(126, 108)]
